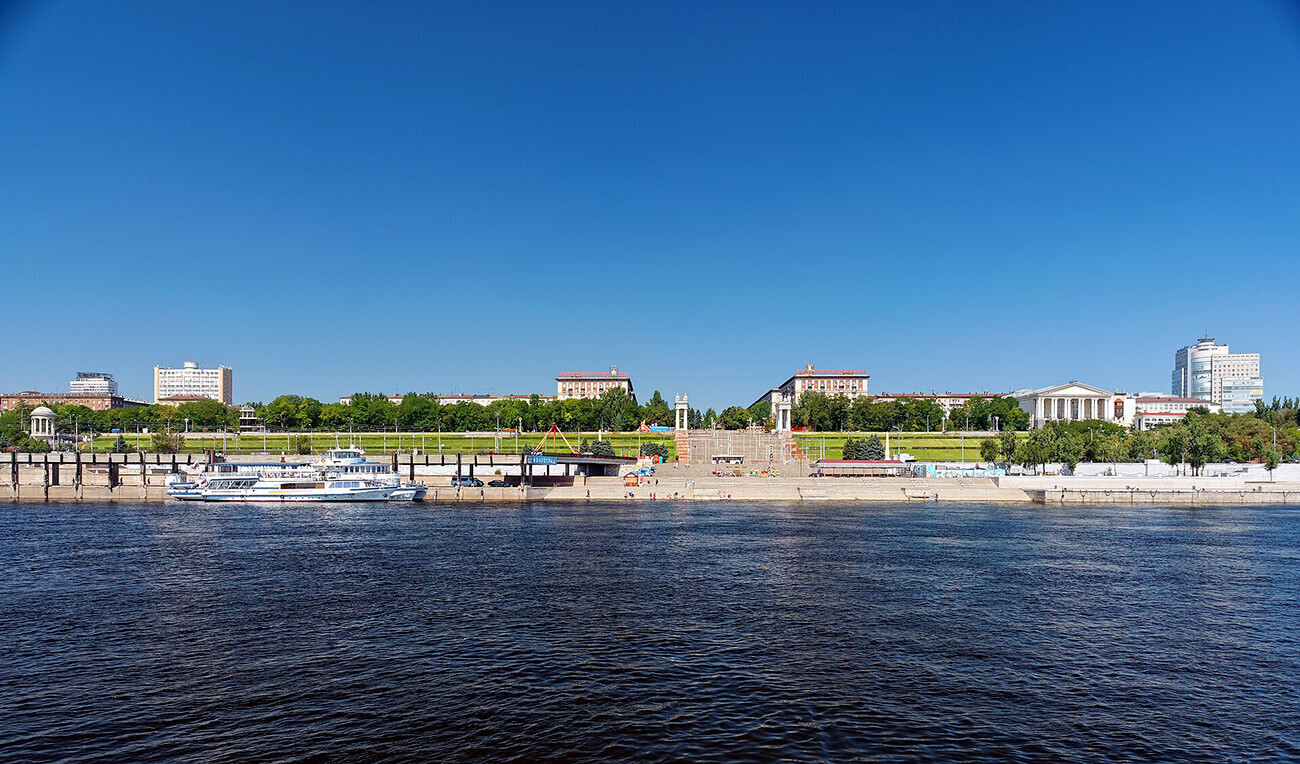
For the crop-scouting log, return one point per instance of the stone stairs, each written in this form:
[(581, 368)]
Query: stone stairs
[(792, 446), (757, 447), (683, 446)]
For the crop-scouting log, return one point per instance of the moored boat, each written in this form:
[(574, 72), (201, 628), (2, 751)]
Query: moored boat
[(264, 488), (352, 463)]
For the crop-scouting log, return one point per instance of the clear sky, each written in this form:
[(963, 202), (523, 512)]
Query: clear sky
[(472, 196)]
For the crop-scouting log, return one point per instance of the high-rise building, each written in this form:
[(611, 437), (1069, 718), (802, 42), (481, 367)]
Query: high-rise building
[(1208, 370), (190, 382), (93, 383)]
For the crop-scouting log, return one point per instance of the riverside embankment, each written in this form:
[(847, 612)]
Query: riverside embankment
[(71, 477)]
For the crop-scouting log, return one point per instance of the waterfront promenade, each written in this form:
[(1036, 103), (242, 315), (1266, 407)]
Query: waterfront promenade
[(142, 477)]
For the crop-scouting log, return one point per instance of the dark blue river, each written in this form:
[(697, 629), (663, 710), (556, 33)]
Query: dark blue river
[(648, 632)]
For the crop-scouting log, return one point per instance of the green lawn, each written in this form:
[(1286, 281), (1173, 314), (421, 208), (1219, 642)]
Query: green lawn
[(384, 443), (940, 447)]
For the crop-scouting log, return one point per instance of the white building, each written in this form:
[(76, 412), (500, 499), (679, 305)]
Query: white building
[(248, 421), (1207, 370), (485, 399), (396, 400), (1070, 402), (93, 383), (581, 384), (190, 381), (1151, 410), (42, 424)]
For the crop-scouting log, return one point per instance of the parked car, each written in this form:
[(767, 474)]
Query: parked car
[(466, 481), (498, 483)]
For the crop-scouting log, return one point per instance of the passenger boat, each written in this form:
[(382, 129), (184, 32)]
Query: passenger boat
[(189, 483), (267, 488), (343, 474), (352, 463)]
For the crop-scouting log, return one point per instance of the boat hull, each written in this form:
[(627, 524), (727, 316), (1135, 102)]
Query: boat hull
[(284, 497)]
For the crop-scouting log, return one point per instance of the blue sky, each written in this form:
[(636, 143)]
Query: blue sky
[(474, 196)]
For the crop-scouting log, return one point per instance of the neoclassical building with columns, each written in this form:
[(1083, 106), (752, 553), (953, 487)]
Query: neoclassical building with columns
[(1070, 402)]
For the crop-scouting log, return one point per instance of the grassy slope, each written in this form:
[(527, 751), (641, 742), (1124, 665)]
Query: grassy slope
[(382, 443), (923, 446)]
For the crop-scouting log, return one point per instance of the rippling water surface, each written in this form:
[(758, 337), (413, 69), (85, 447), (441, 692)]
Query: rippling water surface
[(656, 632)]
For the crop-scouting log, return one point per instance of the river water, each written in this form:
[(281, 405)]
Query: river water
[(724, 631)]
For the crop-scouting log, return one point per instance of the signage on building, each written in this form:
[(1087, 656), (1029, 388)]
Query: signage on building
[(540, 459)]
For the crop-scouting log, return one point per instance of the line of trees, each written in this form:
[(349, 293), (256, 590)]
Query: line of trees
[(1199, 439), (823, 413), (615, 410)]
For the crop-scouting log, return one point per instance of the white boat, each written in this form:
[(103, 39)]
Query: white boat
[(348, 463), (190, 481), (265, 488)]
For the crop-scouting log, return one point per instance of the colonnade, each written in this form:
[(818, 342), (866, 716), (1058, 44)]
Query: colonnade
[(1071, 408)]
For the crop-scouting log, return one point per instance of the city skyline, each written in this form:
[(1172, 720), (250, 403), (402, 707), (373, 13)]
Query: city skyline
[(468, 199), (647, 390)]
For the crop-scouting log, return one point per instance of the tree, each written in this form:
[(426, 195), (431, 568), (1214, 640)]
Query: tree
[(990, 448), (821, 413), (656, 410), (602, 448), (421, 413), (761, 411), (981, 412), (337, 416), (302, 444), (120, 446), (870, 415), (1034, 451), (1172, 446), (373, 412), (208, 415), (615, 410), (165, 443), (852, 449), (1067, 448), (1203, 446), (1141, 446), (1111, 448), (655, 449), (734, 418), (921, 414), (283, 412), (874, 449), (1271, 460), (1007, 442)]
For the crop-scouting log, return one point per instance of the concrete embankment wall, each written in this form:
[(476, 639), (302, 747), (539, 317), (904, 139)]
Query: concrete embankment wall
[(88, 477)]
